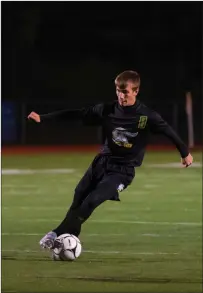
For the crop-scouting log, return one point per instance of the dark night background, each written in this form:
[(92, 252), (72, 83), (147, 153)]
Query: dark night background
[(67, 54)]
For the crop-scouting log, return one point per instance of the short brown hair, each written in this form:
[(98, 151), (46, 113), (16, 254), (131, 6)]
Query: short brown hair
[(128, 76)]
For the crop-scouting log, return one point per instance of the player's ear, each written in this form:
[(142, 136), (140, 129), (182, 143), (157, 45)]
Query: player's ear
[(137, 91)]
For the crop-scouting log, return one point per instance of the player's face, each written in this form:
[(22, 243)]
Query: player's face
[(126, 96)]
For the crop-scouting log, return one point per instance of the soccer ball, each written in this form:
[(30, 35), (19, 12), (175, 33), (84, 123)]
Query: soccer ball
[(67, 247)]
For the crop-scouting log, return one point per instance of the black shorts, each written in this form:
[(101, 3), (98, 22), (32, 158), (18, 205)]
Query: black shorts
[(104, 179)]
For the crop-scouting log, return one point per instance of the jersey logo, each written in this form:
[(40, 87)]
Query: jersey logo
[(142, 122), (121, 137)]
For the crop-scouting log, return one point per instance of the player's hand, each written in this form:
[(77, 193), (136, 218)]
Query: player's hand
[(34, 116), (186, 162)]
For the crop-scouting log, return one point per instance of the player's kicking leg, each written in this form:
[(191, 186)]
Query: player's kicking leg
[(106, 189), (115, 178)]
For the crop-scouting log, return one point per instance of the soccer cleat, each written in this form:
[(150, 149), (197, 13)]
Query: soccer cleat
[(48, 240)]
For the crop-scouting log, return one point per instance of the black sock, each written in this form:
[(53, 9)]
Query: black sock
[(71, 224)]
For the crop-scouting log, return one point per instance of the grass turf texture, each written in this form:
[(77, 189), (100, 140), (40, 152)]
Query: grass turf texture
[(151, 241)]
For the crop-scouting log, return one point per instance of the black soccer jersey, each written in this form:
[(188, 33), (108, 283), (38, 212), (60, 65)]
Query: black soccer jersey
[(126, 129)]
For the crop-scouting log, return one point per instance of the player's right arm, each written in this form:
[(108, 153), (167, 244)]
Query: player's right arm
[(89, 115)]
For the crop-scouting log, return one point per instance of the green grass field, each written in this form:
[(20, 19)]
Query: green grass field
[(151, 241)]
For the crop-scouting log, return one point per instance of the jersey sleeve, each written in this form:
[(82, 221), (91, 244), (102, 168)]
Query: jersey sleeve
[(158, 125), (88, 115)]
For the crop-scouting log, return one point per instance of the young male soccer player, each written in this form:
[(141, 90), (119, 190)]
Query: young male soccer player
[(126, 124)]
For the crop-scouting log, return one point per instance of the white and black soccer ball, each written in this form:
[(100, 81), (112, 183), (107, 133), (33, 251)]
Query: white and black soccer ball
[(67, 247)]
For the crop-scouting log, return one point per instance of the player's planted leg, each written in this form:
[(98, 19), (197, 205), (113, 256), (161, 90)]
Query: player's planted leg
[(84, 187)]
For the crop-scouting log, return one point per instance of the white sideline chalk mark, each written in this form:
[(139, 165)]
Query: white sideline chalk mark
[(36, 171), (106, 208), (172, 165), (22, 234), (102, 235), (153, 223), (190, 210), (130, 253), (65, 171), (154, 235), (23, 192), (64, 208), (109, 235), (41, 234), (140, 192), (117, 221), (151, 185), (128, 208), (21, 186), (36, 208), (101, 252)]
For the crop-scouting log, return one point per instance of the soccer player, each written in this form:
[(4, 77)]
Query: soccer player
[(126, 123)]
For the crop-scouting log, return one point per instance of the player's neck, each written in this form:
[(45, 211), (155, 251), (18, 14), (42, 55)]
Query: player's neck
[(129, 108), (133, 103)]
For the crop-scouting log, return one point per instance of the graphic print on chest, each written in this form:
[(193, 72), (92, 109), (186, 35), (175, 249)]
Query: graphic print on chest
[(123, 130), (122, 136)]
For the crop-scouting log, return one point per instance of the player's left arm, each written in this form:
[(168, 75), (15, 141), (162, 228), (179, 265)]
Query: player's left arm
[(158, 125)]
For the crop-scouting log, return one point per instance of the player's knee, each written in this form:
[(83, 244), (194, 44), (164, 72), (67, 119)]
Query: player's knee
[(77, 199)]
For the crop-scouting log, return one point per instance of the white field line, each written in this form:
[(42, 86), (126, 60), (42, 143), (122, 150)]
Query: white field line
[(140, 192), (116, 209), (23, 192), (147, 209), (101, 252), (42, 234), (191, 210), (117, 221), (136, 193), (151, 186), (172, 165), (149, 222), (17, 171), (136, 200), (130, 253), (101, 235), (35, 208), (20, 186), (36, 171), (62, 208)]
